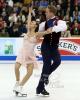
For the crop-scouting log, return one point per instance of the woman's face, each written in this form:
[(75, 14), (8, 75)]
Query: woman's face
[(33, 24)]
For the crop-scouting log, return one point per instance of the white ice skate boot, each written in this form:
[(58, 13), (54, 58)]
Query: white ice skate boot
[(19, 91), (16, 85)]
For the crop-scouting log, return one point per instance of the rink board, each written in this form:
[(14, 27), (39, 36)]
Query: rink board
[(69, 49)]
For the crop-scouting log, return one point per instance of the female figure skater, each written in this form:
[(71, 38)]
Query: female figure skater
[(26, 56)]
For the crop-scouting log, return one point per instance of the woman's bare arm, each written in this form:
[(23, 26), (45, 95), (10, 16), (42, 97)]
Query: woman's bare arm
[(29, 18)]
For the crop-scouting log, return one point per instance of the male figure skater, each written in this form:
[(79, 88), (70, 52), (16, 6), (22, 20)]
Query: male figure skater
[(49, 47)]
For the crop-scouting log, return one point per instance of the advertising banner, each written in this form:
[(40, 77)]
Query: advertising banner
[(69, 48)]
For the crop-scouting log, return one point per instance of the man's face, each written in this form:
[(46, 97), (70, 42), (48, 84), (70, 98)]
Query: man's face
[(49, 14)]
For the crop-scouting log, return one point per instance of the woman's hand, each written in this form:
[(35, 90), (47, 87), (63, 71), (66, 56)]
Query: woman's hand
[(30, 9)]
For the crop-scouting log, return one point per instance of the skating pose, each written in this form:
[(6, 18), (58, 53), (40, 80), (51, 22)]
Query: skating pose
[(26, 55), (49, 47)]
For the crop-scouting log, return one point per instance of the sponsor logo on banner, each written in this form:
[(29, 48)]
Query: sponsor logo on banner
[(37, 51), (7, 47), (67, 47)]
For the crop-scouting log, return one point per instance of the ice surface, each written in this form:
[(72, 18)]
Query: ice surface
[(64, 82)]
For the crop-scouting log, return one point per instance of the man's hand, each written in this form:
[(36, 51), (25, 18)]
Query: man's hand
[(49, 30)]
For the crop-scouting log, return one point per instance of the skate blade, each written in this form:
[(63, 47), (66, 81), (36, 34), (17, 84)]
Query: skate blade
[(18, 94), (41, 95)]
